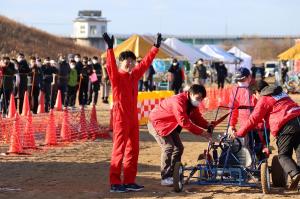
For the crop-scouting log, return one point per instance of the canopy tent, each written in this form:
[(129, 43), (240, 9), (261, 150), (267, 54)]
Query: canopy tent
[(140, 46), (186, 50), (219, 54), (246, 59), (292, 53)]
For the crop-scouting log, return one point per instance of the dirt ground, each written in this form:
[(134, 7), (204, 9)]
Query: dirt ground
[(81, 170)]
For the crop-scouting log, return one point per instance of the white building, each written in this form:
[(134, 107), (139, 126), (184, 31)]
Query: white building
[(89, 27)]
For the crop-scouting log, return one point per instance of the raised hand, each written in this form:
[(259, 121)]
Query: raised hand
[(109, 40), (158, 40)]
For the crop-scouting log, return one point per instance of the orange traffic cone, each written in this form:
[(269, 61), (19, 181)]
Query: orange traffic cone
[(28, 140), (58, 103), (83, 125), (26, 107), (41, 107), (15, 142), (12, 107), (94, 126), (65, 132), (51, 130)]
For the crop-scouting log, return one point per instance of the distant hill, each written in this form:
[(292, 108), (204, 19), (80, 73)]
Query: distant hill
[(16, 37)]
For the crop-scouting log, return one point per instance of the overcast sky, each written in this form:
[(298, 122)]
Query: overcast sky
[(181, 17)]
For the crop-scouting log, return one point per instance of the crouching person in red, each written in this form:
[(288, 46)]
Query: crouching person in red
[(166, 122), (283, 115), (125, 118)]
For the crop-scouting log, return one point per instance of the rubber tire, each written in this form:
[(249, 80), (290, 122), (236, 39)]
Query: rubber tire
[(265, 178), (178, 180), (281, 178)]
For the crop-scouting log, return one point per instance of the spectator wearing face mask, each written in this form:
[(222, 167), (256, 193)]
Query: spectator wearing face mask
[(72, 84), (95, 86), (175, 76), (7, 84), (24, 71), (34, 84), (199, 73), (86, 71), (166, 122), (63, 71), (48, 72)]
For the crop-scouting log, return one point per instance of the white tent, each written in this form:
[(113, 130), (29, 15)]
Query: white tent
[(186, 50), (246, 59), (219, 54)]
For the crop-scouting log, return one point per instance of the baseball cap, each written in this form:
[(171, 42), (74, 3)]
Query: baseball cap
[(241, 74)]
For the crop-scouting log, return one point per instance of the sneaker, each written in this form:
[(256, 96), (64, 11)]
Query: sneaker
[(133, 187), (167, 181), (117, 188), (294, 182)]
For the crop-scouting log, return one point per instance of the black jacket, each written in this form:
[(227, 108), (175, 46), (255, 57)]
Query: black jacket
[(35, 77), (47, 73), (24, 71), (8, 76), (63, 72)]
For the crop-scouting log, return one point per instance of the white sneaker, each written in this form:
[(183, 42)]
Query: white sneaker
[(167, 182)]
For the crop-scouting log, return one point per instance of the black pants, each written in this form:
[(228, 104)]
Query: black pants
[(171, 150), (34, 98), (287, 141), (83, 93), (47, 89), (22, 89), (94, 90), (5, 98), (221, 82), (71, 96), (175, 86)]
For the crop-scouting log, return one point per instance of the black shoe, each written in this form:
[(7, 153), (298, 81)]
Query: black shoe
[(133, 187), (118, 188), (294, 182)]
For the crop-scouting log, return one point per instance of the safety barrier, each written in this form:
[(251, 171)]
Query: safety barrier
[(22, 133)]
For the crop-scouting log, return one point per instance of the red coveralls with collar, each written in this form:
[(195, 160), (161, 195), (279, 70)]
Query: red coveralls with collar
[(240, 96), (277, 111), (172, 112), (125, 117)]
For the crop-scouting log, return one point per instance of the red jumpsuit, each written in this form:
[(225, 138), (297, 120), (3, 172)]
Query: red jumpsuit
[(125, 117)]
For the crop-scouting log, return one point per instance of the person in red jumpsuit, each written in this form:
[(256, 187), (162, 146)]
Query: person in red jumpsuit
[(242, 96), (283, 116), (125, 116), (166, 122)]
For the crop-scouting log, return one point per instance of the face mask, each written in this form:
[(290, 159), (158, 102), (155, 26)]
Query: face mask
[(95, 61), (195, 102), (19, 59), (72, 66), (90, 63), (77, 59), (174, 64), (39, 64)]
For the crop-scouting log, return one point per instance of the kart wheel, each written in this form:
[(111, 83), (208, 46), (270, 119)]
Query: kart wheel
[(265, 178), (279, 177), (178, 178)]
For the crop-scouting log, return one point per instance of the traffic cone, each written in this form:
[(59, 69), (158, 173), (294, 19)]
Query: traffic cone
[(41, 107), (65, 132), (12, 107), (28, 140), (96, 132), (83, 125), (51, 130), (58, 103), (26, 107), (15, 141)]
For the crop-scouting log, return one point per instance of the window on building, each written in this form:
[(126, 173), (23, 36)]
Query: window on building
[(82, 29), (93, 30), (103, 29)]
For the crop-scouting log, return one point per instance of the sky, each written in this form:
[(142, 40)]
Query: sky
[(176, 17)]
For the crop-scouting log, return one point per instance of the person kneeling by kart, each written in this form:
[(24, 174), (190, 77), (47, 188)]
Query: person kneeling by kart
[(166, 122), (283, 115)]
